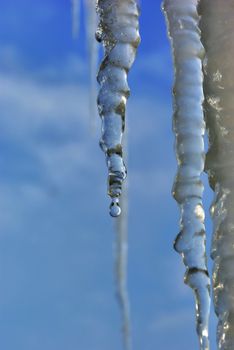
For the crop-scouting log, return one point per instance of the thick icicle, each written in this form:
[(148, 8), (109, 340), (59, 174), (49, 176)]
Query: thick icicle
[(121, 262), (91, 25), (188, 124), (118, 30), (217, 37), (75, 6)]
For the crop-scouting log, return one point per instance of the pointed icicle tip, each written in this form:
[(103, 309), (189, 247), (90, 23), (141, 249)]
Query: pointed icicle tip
[(115, 209)]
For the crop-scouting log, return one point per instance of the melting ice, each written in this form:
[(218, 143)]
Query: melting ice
[(217, 37), (188, 124), (118, 30)]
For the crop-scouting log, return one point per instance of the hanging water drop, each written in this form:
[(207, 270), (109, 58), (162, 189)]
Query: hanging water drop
[(118, 30), (188, 124), (115, 209)]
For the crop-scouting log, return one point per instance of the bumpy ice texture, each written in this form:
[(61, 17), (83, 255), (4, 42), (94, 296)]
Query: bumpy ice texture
[(217, 37), (118, 30), (189, 127)]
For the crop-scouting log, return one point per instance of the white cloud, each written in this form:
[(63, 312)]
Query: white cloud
[(27, 106)]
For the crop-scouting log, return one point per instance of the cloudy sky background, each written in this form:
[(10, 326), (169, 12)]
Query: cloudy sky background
[(56, 236)]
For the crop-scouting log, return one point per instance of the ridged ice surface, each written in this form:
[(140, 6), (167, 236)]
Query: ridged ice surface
[(218, 39), (118, 31), (189, 127)]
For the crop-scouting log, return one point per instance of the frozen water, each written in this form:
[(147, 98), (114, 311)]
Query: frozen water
[(118, 30), (91, 25), (217, 37), (189, 127), (121, 264)]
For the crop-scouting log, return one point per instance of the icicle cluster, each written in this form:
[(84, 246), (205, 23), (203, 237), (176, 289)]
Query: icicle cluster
[(217, 37), (189, 127), (118, 30)]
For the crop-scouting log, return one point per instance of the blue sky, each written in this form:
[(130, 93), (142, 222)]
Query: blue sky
[(56, 236)]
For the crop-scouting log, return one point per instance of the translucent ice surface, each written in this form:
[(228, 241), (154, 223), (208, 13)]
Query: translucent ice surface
[(217, 37), (189, 127), (118, 30)]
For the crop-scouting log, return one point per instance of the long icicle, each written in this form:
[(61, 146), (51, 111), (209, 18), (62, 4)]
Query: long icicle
[(91, 25), (217, 37), (75, 10), (118, 30), (188, 124), (121, 262)]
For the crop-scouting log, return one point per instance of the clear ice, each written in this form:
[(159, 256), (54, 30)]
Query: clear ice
[(121, 268), (118, 30), (189, 127), (91, 25), (217, 37), (122, 16)]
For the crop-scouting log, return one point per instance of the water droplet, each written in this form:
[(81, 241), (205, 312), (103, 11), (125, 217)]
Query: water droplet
[(115, 209)]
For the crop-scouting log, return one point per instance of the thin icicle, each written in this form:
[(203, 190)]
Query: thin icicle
[(75, 6), (121, 263), (91, 25), (188, 123), (118, 30), (217, 37)]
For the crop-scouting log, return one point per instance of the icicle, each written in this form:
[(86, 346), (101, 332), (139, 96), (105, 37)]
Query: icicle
[(121, 270), (217, 37), (118, 31), (91, 25), (75, 5), (121, 262), (182, 20)]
